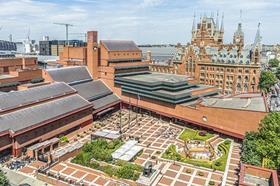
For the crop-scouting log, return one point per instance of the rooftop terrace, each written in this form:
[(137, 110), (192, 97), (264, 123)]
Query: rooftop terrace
[(246, 102)]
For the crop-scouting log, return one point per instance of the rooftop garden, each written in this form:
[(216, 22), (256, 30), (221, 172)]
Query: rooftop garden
[(191, 134), (218, 164), (98, 155)]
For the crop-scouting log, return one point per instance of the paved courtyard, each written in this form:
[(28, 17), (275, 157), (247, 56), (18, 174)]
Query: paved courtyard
[(154, 135), (77, 174)]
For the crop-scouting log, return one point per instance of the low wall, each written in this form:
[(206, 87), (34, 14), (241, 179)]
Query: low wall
[(258, 172), (50, 180)]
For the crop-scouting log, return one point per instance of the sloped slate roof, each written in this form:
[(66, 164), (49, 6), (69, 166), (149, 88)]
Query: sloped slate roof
[(99, 103), (25, 97), (28, 117), (70, 75), (97, 93), (92, 90), (116, 45)]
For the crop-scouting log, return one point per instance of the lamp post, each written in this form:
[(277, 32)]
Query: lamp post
[(137, 109), (129, 114), (120, 118)]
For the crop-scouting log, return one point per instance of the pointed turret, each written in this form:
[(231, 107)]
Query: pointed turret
[(258, 37), (222, 24), (194, 23), (256, 48), (217, 21), (238, 37)]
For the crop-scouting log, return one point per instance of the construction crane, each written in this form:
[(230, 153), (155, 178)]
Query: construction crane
[(83, 35), (66, 29)]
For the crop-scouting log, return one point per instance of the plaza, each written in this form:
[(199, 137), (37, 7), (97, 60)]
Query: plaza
[(154, 135)]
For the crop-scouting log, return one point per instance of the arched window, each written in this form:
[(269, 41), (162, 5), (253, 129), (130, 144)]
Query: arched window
[(238, 87), (245, 88), (254, 80)]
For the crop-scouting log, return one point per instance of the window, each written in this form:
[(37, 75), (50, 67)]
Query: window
[(239, 87), (204, 118), (6, 69)]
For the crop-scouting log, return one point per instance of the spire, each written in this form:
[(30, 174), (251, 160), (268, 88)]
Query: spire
[(193, 26), (222, 23), (258, 36), (217, 21)]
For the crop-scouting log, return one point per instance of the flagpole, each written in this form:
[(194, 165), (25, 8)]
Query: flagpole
[(129, 113), (137, 109)]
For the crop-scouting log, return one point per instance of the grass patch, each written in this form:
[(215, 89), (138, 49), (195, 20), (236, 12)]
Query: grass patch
[(101, 150), (219, 164), (191, 134)]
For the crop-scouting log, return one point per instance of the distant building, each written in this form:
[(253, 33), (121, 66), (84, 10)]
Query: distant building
[(232, 68), (55, 47), (18, 70), (7, 49)]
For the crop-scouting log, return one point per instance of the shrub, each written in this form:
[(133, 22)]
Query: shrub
[(202, 133), (211, 182), (94, 165), (3, 179), (218, 164), (108, 169), (158, 152), (64, 139), (189, 171), (153, 157), (200, 173), (227, 142), (101, 150)]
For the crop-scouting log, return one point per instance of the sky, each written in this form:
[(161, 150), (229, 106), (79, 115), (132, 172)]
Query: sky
[(144, 21)]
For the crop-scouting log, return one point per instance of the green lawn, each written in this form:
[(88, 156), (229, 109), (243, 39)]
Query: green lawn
[(190, 134), (219, 164)]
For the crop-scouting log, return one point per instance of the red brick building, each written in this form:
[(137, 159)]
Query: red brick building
[(232, 68), (18, 70), (120, 65), (37, 114)]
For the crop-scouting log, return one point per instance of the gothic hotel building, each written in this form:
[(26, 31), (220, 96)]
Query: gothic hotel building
[(232, 68)]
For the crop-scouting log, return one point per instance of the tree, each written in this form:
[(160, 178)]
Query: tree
[(277, 73), (3, 179), (273, 62), (264, 145), (267, 80)]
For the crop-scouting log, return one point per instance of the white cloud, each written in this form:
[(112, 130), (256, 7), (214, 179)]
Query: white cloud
[(150, 3), (146, 21)]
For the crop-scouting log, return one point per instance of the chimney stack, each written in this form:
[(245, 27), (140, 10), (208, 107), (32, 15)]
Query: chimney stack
[(92, 53)]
